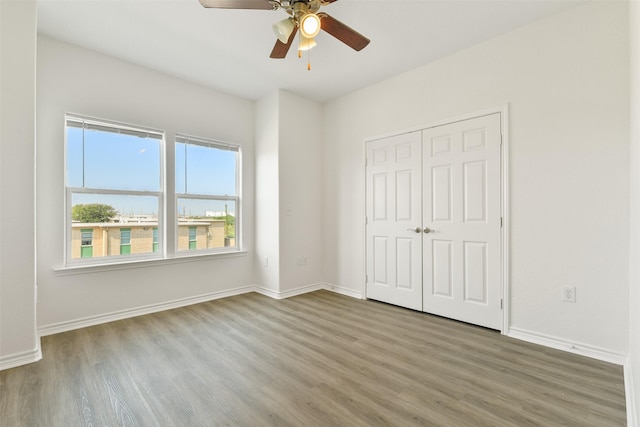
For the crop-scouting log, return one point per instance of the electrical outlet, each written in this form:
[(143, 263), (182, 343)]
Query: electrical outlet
[(569, 293)]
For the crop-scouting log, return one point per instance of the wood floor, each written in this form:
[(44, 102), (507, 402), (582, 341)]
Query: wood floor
[(319, 359)]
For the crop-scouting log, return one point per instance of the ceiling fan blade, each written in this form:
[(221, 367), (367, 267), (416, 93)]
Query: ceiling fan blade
[(280, 49), (345, 34), (239, 4)]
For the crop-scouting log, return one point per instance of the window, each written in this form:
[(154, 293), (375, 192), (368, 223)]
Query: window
[(154, 240), (86, 243), (207, 194), (113, 177), (193, 235), (125, 241), (115, 193)]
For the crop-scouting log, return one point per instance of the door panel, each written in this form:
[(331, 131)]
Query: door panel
[(441, 268), (475, 272), (441, 195), (404, 259), (474, 193), (380, 197), (404, 192), (461, 204), (394, 249), (380, 256)]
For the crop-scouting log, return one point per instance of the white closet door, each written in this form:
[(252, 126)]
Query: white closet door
[(394, 219), (461, 208)]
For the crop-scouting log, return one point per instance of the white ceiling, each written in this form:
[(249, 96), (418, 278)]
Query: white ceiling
[(228, 50)]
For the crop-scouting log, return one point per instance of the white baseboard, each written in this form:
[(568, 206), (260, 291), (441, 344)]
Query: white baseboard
[(343, 291), (572, 347), (22, 358), (309, 288), (290, 293), (69, 325), (629, 391)]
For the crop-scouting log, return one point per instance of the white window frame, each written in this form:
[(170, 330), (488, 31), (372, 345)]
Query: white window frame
[(167, 171), (211, 143), (69, 191)]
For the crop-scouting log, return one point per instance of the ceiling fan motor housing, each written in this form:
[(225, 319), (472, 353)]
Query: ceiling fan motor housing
[(299, 8)]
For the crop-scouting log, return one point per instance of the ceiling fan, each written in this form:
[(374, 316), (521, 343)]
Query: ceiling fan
[(303, 16)]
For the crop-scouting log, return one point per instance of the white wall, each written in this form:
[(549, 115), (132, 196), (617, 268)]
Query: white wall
[(19, 343), (632, 368), (267, 260), (73, 79), (288, 193), (566, 80), (300, 176)]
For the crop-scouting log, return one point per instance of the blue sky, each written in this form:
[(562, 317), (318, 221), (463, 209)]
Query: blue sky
[(126, 162)]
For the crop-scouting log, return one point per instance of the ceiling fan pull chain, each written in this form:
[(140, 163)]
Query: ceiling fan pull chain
[(309, 60)]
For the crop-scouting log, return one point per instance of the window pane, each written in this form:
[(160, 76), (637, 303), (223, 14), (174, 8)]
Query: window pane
[(86, 252), (74, 157), (206, 224), (205, 170), (181, 171), (86, 237), (109, 160), (97, 225)]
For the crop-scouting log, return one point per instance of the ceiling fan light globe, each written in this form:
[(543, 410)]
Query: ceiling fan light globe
[(283, 29), (310, 25), (306, 43)]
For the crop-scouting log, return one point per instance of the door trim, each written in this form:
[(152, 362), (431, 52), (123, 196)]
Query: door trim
[(505, 252)]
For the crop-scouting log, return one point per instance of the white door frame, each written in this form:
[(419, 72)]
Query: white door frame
[(505, 252)]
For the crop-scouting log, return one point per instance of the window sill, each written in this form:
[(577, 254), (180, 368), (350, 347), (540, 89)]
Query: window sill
[(179, 259)]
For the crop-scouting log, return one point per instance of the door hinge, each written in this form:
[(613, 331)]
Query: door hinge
[(500, 222), (366, 220), (366, 278), (366, 162), (501, 304)]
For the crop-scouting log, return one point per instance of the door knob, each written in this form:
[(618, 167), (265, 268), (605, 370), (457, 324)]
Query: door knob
[(415, 230), (427, 230)]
